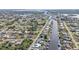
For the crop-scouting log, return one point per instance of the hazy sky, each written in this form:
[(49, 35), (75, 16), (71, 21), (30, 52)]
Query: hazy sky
[(39, 4)]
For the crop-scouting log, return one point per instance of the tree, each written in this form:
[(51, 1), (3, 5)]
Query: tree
[(25, 44), (45, 37)]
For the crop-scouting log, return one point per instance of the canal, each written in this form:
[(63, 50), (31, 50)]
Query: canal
[(54, 37)]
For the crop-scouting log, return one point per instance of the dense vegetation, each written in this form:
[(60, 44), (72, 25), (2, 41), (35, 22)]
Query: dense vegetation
[(9, 46)]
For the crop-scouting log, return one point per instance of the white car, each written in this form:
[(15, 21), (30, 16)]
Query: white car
[(37, 45)]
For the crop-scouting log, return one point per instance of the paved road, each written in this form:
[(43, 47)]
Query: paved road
[(47, 23), (71, 36), (54, 37)]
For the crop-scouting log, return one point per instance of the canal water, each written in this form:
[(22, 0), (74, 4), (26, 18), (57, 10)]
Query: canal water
[(54, 37)]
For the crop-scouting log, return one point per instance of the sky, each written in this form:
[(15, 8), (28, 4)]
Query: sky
[(39, 4)]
